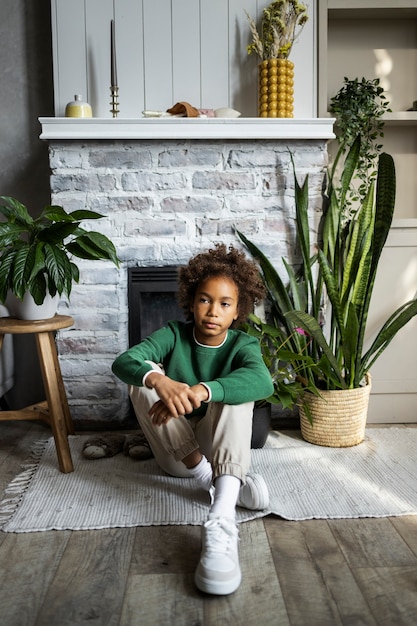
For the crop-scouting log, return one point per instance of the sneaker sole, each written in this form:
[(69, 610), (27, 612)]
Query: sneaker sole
[(217, 588), (261, 489)]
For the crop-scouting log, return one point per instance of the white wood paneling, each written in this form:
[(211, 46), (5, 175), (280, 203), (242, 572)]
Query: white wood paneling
[(243, 76), (304, 57), (215, 54), (394, 375), (69, 52), (98, 15), (157, 20), (186, 57), (168, 51), (130, 58)]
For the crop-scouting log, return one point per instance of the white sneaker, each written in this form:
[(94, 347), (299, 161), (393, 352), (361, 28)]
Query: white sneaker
[(218, 571), (254, 493)]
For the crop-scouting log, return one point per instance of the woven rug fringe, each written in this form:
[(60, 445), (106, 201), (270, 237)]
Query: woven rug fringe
[(20, 484)]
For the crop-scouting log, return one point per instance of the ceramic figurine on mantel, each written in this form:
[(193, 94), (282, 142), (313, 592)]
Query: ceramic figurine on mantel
[(282, 23)]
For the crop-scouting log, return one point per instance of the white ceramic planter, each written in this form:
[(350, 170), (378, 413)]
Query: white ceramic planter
[(27, 309)]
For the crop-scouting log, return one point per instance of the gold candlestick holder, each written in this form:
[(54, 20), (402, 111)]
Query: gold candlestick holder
[(114, 90)]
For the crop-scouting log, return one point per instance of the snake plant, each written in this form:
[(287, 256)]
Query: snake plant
[(340, 274), (36, 254)]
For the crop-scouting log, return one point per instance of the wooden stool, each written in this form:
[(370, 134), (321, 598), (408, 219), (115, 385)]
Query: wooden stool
[(54, 410)]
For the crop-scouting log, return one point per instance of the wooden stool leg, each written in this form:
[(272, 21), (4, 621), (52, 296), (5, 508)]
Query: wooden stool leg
[(64, 402), (50, 371)]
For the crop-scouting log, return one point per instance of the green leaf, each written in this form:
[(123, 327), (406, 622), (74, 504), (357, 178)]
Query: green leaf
[(15, 211), (38, 288), (332, 291), (22, 268), (57, 233), (93, 245), (10, 234), (396, 322), (85, 214), (39, 261), (276, 290), (384, 205), (54, 214), (350, 347), (311, 326), (58, 268), (6, 273)]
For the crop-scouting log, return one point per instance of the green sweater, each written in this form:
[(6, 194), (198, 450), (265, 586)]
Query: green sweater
[(234, 372)]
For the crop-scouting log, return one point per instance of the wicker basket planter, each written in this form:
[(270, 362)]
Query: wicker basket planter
[(339, 417)]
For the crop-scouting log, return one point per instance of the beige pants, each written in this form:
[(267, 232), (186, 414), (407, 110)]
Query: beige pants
[(223, 435)]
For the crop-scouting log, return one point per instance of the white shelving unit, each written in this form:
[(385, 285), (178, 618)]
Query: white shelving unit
[(378, 38)]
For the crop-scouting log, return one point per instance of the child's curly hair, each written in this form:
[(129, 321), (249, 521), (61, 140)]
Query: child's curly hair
[(219, 261)]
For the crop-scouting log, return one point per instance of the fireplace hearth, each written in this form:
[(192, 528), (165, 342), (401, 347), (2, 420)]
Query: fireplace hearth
[(164, 199)]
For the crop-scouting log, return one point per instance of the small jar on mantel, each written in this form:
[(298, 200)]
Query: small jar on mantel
[(78, 108)]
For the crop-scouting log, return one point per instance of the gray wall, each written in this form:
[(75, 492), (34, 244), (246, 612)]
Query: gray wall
[(26, 94)]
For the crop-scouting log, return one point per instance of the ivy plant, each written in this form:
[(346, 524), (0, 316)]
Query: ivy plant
[(358, 107)]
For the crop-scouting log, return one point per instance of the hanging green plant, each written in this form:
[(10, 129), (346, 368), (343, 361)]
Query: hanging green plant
[(359, 107)]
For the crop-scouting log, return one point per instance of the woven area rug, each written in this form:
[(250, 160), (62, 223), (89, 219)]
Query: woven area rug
[(378, 478)]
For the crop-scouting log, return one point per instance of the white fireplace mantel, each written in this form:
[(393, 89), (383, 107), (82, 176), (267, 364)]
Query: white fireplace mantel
[(56, 128)]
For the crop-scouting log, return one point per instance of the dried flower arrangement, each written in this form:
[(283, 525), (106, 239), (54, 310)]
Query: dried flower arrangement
[(282, 23)]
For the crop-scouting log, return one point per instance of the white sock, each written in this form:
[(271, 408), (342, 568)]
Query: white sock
[(226, 493), (203, 473)]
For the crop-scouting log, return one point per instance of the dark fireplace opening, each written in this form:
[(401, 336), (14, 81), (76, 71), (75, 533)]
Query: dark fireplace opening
[(152, 300)]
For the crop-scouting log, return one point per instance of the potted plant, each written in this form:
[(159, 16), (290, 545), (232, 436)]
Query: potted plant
[(36, 254), (341, 270), (282, 23), (282, 364), (358, 107)]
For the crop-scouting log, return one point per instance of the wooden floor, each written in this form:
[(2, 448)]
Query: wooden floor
[(351, 572)]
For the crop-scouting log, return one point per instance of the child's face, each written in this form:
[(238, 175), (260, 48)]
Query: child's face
[(215, 308)]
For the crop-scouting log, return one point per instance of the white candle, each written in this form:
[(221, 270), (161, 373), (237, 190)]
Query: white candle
[(113, 55)]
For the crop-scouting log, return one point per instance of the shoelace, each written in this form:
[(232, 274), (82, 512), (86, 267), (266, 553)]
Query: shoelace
[(219, 535)]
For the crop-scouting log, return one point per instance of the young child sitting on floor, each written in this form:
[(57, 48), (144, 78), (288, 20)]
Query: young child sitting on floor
[(193, 385)]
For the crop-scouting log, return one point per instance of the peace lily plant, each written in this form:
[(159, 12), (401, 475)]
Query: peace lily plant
[(341, 271), (36, 254)]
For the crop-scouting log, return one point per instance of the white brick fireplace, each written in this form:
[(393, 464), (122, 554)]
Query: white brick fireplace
[(167, 191)]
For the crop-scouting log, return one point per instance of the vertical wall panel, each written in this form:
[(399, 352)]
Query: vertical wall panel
[(214, 53), (158, 54), (130, 62), (186, 51), (99, 14), (304, 57), (70, 59), (243, 73)]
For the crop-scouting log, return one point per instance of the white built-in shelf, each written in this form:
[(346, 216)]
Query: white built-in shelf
[(404, 118), (56, 128), (366, 9), (399, 118)]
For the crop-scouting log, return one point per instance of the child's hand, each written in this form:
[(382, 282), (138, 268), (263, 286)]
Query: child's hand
[(175, 398)]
